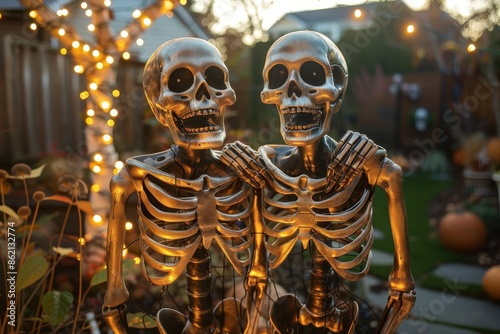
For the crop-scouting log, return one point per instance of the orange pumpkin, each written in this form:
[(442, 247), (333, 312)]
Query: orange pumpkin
[(462, 231), (493, 149), (491, 282)]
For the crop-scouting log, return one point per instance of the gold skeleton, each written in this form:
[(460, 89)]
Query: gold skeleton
[(319, 192), (186, 197)]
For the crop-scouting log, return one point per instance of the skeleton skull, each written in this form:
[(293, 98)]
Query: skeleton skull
[(187, 86), (305, 76)]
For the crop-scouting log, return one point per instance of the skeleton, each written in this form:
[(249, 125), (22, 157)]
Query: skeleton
[(187, 199), (318, 191)]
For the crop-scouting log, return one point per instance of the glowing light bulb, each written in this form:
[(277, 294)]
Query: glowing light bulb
[(89, 120), (95, 188), (98, 157), (126, 55), (90, 112), (64, 12), (99, 65), (91, 27), (32, 14), (116, 93), (63, 51), (137, 260), (168, 5), (129, 226), (61, 32), (97, 219), (107, 139), (105, 105), (136, 13), (83, 5), (110, 123), (471, 47), (146, 21), (410, 28), (88, 12), (93, 86), (125, 252), (358, 13), (119, 164), (124, 33), (81, 241), (96, 53), (33, 26), (96, 169), (139, 41), (86, 48), (113, 112), (109, 60), (75, 44), (107, 3), (183, 2), (78, 69)]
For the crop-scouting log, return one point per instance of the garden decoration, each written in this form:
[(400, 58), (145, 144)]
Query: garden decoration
[(317, 192), (187, 198)]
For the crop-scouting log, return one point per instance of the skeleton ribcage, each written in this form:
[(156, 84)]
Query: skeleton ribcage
[(338, 223), (177, 216)]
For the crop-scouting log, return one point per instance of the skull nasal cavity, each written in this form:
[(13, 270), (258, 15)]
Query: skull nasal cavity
[(202, 92), (294, 89)]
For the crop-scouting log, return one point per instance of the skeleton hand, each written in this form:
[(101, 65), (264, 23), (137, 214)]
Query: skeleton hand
[(245, 162), (351, 153), (116, 318)]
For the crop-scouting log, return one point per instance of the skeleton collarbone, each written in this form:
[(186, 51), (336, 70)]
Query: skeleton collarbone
[(179, 215), (298, 209)]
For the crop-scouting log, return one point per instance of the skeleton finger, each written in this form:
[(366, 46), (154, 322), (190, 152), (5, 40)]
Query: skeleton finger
[(398, 306)]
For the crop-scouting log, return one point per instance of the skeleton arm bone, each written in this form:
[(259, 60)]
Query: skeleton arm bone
[(121, 189), (390, 179)]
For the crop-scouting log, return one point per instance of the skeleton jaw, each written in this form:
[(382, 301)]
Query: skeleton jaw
[(202, 128), (303, 125)]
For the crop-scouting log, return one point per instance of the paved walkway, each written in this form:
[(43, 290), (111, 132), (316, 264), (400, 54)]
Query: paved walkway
[(446, 311)]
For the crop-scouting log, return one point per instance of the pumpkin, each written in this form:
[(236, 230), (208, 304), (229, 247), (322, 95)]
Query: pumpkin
[(491, 282), (462, 231), (493, 149), (458, 157)]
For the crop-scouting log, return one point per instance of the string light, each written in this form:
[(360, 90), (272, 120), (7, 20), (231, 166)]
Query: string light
[(78, 69), (124, 33), (113, 112), (183, 2), (126, 55), (110, 123), (125, 251), (81, 241), (63, 51), (61, 32), (98, 157), (93, 86), (64, 12), (75, 44), (88, 12), (471, 47), (89, 120), (119, 164), (96, 53), (99, 65), (136, 14), (83, 5), (168, 5), (410, 28), (128, 226), (109, 60), (91, 27), (116, 93), (90, 112), (146, 21), (137, 260), (358, 13), (105, 105), (86, 48), (140, 41), (97, 219), (33, 26), (32, 14), (107, 139), (95, 188), (107, 3), (96, 169)]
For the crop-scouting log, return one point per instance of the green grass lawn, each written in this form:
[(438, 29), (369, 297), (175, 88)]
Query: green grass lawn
[(425, 247)]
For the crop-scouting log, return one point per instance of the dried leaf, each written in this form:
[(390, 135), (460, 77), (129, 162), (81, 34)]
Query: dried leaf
[(59, 198)]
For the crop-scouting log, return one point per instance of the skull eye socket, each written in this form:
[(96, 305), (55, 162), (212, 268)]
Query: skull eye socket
[(180, 80), (277, 75), (215, 77), (313, 73)]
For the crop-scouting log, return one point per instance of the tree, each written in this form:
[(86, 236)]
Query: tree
[(96, 61)]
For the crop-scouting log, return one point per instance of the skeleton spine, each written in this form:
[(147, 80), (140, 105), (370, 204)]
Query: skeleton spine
[(199, 289), (320, 297)]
